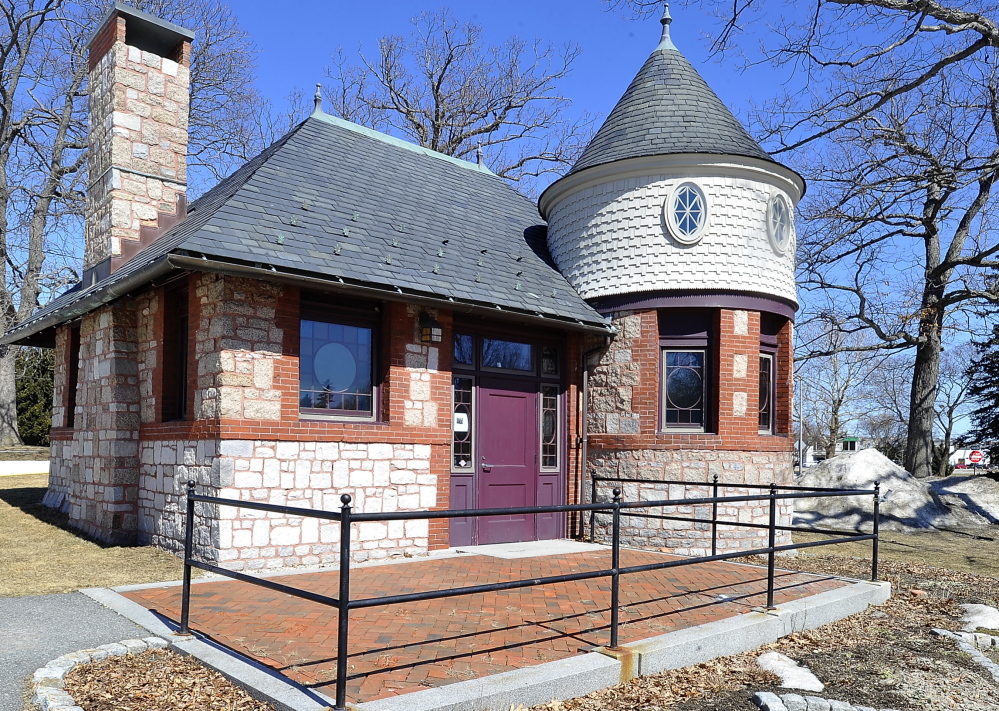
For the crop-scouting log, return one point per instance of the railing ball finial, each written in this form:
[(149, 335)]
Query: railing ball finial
[(190, 486), (345, 499), (617, 494)]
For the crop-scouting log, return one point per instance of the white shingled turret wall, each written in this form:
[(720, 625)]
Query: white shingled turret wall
[(608, 235)]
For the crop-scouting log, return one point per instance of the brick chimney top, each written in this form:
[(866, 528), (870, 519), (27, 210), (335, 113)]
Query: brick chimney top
[(145, 31)]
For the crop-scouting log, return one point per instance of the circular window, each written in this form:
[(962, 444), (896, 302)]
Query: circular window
[(686, 213), (335, 367), (780, 223)]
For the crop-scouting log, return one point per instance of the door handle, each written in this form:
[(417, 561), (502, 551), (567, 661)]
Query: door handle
[(487, 466)]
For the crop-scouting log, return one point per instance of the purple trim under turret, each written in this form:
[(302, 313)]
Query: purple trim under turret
[(693, 300)]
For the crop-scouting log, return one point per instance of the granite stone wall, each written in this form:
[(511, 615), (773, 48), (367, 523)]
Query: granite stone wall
[(313, 475)]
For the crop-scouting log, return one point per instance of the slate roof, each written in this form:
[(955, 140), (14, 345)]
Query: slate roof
[(668, 109), (350, 205)]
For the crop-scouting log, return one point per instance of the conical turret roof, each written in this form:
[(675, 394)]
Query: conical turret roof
[(668, 109)]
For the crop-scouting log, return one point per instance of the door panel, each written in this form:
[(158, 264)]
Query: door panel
[(549, 526), (462, 497), (507, 446)]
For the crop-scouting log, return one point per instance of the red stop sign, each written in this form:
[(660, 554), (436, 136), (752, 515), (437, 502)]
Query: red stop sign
[(975, 457)]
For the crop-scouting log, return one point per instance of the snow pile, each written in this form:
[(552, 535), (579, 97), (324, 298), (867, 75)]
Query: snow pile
[(792, 675), (907, 502), (979, 617), (977, 494)]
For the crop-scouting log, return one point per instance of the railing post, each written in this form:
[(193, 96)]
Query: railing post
[(615, 564), (773, 542), (185, 598), (875, 542), (593, 513), (344, 597), (714, 515)]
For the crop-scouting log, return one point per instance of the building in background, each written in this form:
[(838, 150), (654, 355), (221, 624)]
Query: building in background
[(351, 313)]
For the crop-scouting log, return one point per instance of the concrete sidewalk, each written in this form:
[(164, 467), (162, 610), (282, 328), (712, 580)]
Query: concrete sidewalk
[(36, 629)]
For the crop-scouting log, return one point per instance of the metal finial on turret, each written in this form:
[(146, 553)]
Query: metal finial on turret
[(318, 100), (665, 42)]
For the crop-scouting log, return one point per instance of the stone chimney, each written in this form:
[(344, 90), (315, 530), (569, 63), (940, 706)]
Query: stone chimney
[(139, 101)]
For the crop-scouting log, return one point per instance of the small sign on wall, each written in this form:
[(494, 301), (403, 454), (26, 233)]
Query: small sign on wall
[(460, 422)]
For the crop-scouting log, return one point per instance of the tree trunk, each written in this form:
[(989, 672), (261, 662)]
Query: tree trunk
[(833, 433), (943, 462), (922, 402), (8, 398)]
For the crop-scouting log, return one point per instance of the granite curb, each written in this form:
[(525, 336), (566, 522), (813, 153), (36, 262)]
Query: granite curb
[(970, 643), (769, 701)]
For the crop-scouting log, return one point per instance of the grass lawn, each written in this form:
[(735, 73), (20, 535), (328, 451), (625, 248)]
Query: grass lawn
[(970, 551), (39, 554)]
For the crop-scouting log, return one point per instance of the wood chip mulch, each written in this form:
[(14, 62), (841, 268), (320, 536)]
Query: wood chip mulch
[(157, 680)]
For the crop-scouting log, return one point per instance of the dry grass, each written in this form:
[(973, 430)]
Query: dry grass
[(972, 551), (39, 554), (24, 453)]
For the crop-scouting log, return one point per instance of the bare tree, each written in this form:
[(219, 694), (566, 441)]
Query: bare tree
[(43, 148), (899, 226), (953, 398), (832, 371), (444, 89)]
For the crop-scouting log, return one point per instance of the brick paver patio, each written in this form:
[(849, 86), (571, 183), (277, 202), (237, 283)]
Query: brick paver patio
[(408, 647)]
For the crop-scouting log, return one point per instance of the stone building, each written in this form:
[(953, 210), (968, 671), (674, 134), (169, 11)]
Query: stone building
[(351, 313)]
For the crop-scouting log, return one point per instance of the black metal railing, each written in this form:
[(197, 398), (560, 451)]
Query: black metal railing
[(614, 508), (716, 487)]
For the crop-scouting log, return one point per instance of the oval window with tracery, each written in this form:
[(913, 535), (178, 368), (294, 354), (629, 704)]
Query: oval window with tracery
[(686, 213), (780, 223)]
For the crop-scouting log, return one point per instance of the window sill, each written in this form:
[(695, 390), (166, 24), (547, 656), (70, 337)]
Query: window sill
[(339, 419)]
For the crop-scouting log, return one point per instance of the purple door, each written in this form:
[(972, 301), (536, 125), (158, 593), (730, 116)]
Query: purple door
[(507, 457)]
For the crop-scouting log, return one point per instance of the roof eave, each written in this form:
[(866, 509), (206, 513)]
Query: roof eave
[(650, 163), (388, 293), (41, 331)]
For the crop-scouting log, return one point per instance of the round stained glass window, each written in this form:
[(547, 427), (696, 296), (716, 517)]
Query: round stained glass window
[(686, 213), (335, 367), (780, 223), (684, 388)]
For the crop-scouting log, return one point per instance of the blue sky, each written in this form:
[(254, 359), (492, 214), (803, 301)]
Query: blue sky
[(296, 39)]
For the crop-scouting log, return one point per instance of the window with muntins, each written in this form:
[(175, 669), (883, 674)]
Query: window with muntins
[(766, 413), (770, 327), (685, 371), (549, 427), (337, 362), (461, 425), (686, 211), (684, 389)]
